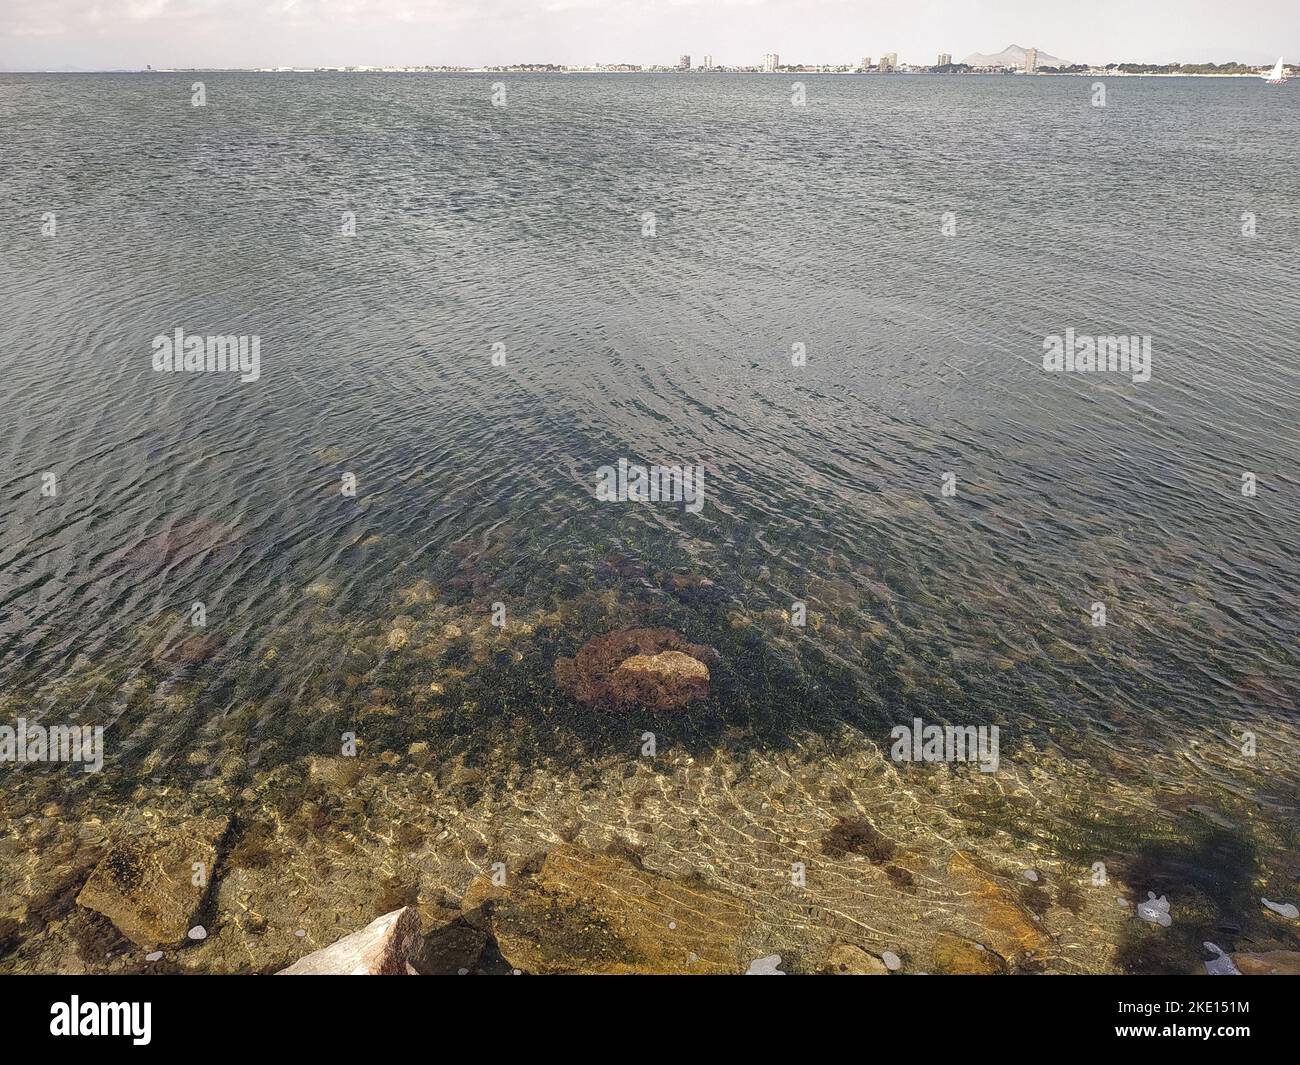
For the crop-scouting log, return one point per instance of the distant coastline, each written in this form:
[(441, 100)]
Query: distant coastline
[(670, 72), (1013, 61)]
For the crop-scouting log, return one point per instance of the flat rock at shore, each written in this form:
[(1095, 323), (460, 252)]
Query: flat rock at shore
[(146, 883), (582, 912), (390, 945)]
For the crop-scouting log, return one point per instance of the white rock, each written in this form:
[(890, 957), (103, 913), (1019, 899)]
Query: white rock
[(766, 966), (892, 961), (1030, 874), (197, 932), (385, 947), (155, 956)]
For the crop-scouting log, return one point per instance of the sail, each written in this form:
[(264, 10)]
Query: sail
[(1276, 73)]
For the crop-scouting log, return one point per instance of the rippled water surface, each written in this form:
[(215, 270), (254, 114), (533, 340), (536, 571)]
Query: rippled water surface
[(774, 226)]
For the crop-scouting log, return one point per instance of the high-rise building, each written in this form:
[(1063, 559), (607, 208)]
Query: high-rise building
[(708, 62), (866, 63), (770, 62), (945, 59), (684, 62), (888, 62), (1031, 60)]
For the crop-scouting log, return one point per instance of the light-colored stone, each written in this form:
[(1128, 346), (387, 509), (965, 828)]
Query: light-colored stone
[(385, 947), (668, 664)]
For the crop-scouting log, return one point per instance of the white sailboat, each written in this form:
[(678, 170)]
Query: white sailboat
[(1277, 75)]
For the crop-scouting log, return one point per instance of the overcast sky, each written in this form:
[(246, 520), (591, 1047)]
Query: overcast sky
[(108, 34)]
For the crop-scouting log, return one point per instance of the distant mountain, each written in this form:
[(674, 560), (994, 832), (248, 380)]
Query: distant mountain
[(1012, 56)]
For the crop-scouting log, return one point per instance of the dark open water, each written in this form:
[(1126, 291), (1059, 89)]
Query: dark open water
[(774, 226)]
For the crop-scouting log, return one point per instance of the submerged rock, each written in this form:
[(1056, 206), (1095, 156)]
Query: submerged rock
[(389, 946), (145, 884), (857, 835), (582, 912), (422, 591), (957, 956), (619, 568), (187, 651), (668, 679), (180, 542), (691, 588), (653, 668), (1007, 927), (844, 959), (456, 947), (1268, 963)]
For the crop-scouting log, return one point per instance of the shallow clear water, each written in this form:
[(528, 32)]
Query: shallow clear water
[(774, 226)]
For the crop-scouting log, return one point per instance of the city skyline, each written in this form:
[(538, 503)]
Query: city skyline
[(133, 34)]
